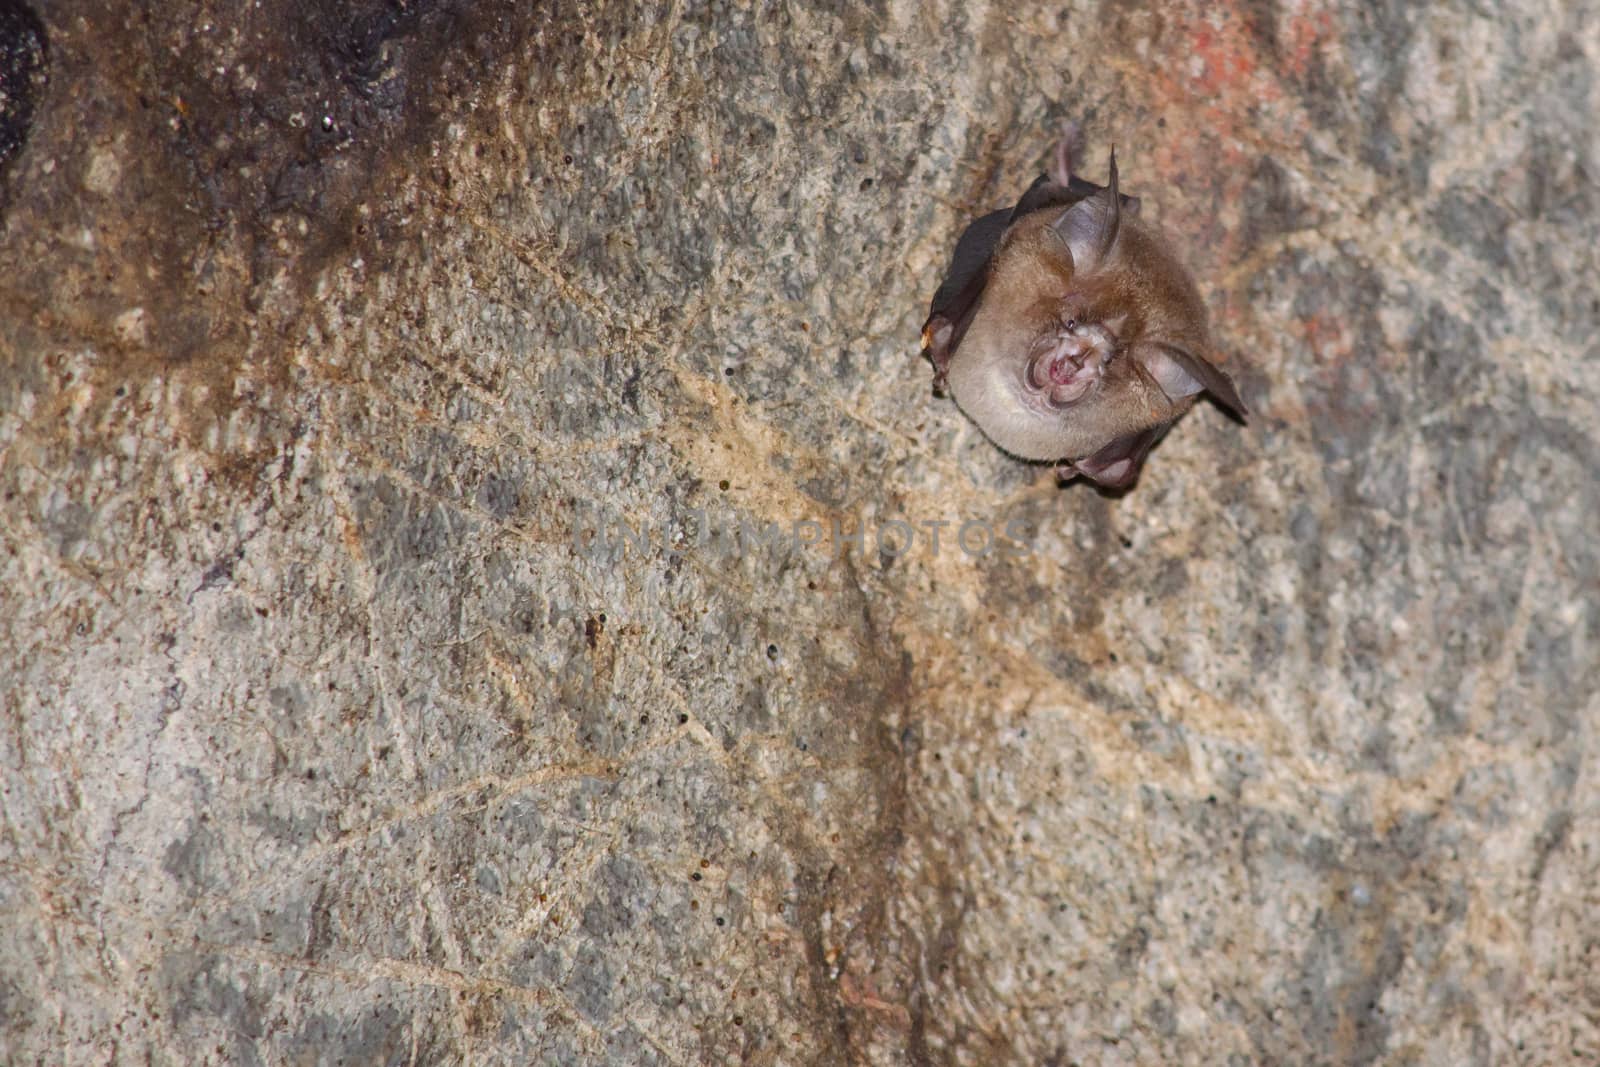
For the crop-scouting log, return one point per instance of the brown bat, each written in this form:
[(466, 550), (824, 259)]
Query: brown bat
[(1068, 331)]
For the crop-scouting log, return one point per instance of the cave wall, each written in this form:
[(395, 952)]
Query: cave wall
[(450, 606)]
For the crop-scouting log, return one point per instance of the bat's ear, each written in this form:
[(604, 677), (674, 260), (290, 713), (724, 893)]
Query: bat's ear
[(1090, 226), (1181, 373)]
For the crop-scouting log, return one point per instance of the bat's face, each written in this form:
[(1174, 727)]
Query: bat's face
[(1044, 368)]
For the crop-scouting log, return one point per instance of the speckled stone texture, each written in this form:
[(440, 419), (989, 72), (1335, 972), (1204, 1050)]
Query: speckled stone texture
[(414, 648)]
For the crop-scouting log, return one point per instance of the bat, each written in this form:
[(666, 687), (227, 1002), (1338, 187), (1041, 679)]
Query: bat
[(1069, 332)]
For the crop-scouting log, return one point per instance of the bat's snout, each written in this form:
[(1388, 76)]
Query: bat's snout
[(1063, 370)]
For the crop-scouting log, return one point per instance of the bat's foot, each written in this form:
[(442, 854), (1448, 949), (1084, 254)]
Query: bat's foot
[(1066, 148), (1069, 148)]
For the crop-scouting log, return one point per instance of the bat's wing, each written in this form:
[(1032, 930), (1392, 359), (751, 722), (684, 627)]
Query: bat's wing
[(957, 299), (1181, 373), (1116, 465)]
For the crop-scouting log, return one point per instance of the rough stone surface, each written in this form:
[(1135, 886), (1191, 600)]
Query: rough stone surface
[(343, 723)]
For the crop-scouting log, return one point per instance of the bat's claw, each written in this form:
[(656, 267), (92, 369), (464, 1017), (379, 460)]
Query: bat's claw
[(1066, 471), (936, 346)]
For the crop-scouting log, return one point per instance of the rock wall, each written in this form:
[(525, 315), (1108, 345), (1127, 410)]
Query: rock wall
[(450, 606)]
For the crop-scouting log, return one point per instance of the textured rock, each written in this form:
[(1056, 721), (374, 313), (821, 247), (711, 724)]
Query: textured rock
[(410, 419)]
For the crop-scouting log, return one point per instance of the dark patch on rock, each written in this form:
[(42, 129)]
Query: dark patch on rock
[(1475, 224), (24, 72), (198, 986), (622, 897), (327, 93), (378, 1034), (1269, 205), (1261, 19), (191, 859), (1376, 33)]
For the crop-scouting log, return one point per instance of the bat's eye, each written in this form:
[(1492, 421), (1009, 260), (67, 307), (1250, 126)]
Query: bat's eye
[(1072, 324)]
